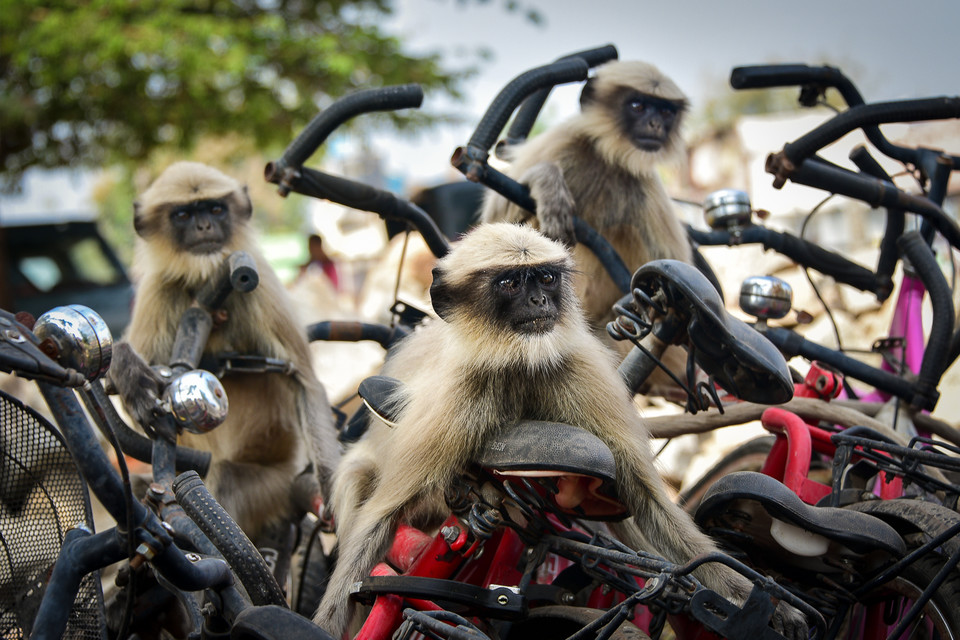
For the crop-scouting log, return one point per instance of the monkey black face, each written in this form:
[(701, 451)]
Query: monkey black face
[(528, 300), (647, 120), (200, 227)]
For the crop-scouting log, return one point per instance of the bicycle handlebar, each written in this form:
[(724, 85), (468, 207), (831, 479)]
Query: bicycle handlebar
[(822, 175), (768, 76), (323, 124), (317, 184), (819, 78), (547, 76), (530, 109), (863, 115), (803, 252)]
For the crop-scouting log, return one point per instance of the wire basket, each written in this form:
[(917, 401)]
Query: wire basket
[(41, 496)]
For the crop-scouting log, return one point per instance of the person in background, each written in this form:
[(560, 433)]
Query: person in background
[(319, 258)]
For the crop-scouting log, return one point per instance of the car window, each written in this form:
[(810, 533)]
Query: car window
[(91, 265), (40, 271)]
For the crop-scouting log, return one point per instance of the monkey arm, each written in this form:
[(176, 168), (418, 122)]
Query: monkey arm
[(135, 382), (555, 204)]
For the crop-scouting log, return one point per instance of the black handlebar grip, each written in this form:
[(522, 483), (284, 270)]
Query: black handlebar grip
[(358, 195), (323, 124), (936, 354), (790, 75), (244, 277), (939, 108), (353, 331), (876, 193), (827, 262), (237, 273), (530, 109), (492, 122), (243, 558)]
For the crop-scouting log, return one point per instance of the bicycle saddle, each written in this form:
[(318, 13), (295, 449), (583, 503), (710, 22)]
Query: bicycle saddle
[(737, 356), (379, 393), (270, 622), (582, 464), (734, 497)]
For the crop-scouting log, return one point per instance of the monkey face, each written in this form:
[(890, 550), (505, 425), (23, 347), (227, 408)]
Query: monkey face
[(646, 120), (528, 299), (200, 227)]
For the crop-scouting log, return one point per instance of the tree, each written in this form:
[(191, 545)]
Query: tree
[(93, 83)]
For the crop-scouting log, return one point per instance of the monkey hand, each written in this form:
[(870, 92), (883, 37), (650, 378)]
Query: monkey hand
[(138, 386), (790, 622), (555, 204)]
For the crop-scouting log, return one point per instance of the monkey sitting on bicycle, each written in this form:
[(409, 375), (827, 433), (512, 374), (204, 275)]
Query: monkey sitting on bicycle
[(511, 343)]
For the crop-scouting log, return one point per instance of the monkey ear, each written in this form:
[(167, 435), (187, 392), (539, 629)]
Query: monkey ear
[(588, 95), (139, 220), (440, 295), (244, 206)]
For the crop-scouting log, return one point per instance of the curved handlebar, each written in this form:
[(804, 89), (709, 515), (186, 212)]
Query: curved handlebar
[(490, 126), (316, 184), (804, 252), (819, 78), (939, 108), (323, 124), (530, 109), (237, 273), (822, 175), (788, 75)]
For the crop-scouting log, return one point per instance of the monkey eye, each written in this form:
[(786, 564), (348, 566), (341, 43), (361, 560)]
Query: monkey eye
[(638, 105), (181, 214), (216, 209), (510, 284), (547, 278)]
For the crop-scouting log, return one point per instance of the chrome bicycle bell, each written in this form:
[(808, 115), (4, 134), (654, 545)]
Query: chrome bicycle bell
[(82, 338), (727, 209), (197, 401), (766, 297)]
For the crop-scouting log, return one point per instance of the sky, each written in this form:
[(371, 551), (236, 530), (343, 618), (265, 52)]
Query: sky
[(890, 49)]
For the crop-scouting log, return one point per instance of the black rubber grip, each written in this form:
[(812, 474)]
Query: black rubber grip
[(936, 354), (237, 273), (244, 559), (870, 114), (792, 75), (877, 193), (529, 111), (496, 116), (366, 101), (352, 331), (803, 252), (358, 195)]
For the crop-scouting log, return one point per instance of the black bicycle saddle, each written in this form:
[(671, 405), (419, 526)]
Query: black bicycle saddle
[(535, 448), (731, 493), (737, 356), (532, 448)]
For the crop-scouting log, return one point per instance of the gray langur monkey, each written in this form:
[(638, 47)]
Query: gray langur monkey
[(188, 221), (601, 165), (511, 343)]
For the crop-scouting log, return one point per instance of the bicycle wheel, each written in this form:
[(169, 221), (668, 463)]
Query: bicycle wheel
[(748, 456), (877, 613)]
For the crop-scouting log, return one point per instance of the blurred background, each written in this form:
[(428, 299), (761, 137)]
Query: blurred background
[(96, 98)]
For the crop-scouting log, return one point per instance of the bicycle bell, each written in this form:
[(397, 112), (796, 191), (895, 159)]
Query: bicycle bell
[(197, 401), (727, 209), (766, 297), (82, 338)]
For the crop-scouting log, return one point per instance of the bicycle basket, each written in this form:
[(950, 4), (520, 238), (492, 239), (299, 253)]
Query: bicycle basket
[(41, 496)]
